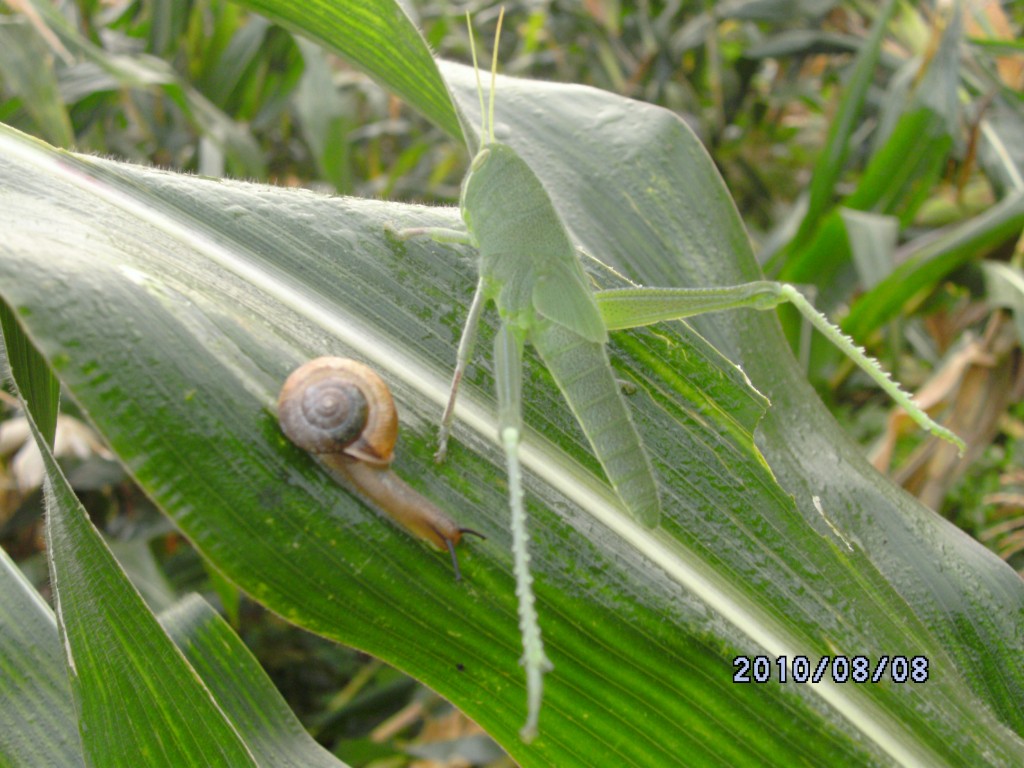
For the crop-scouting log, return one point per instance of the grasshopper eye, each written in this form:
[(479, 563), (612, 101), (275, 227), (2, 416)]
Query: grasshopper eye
[(479, 160)]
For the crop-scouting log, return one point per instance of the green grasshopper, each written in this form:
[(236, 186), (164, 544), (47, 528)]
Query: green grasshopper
[(529, 268)]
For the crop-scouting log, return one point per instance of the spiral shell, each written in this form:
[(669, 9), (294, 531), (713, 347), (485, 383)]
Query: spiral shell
[(336, 405)]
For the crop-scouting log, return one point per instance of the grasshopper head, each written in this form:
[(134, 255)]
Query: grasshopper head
[(481, 173)]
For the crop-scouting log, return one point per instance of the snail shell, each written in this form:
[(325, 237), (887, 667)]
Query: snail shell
[(342, 412), (336, 405)]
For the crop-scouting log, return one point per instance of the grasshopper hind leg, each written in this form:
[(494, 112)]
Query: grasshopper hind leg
[(508, 378)]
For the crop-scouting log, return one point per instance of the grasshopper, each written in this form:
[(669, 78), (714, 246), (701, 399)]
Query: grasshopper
[(529, 268)]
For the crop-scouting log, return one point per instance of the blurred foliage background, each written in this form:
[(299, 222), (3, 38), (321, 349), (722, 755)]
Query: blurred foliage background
[(209, 88)]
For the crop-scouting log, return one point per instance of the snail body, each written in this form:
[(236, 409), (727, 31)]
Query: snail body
[(342, 412)]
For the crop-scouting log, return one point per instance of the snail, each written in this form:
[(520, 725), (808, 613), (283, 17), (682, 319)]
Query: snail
[(342, 412)]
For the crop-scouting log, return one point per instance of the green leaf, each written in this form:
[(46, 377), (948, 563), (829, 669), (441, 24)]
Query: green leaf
[(872, 239), (135, 696), (911, 148), (37, 721), (241, 688), (31, 373), (379, 38), (1004, 287), (206, 702), (175, 327), (97, 70), (28, 72), (925, 264), (833, 158)]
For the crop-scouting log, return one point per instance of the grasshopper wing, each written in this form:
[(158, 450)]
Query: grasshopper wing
[(561, 294)]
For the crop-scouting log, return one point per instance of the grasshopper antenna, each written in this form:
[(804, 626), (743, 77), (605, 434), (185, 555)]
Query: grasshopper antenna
[(479, 83), (494, 75), (486, 118)]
